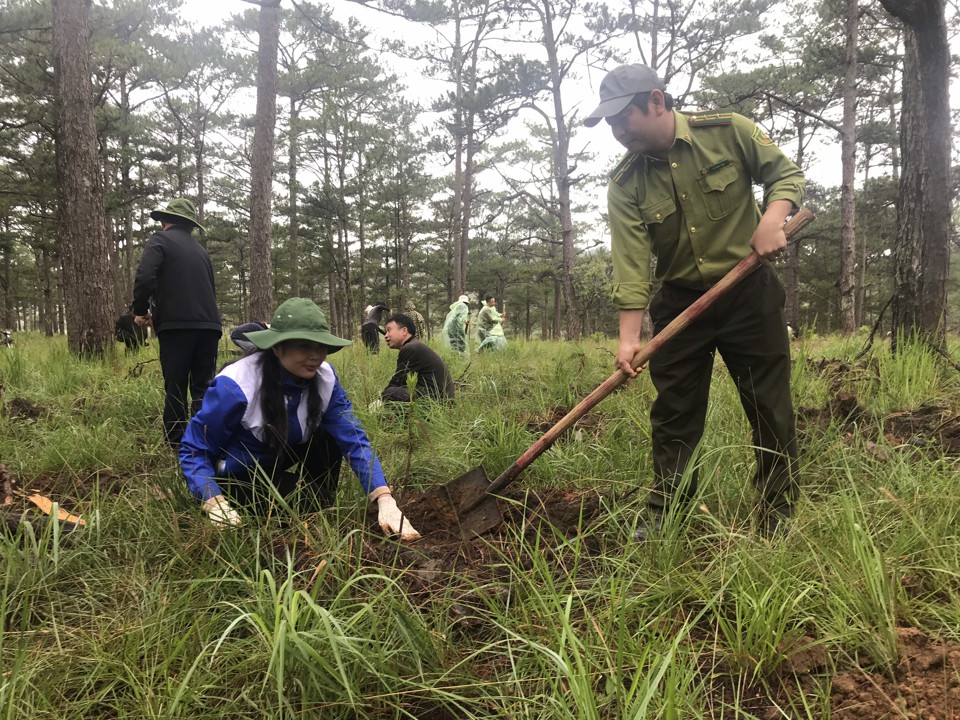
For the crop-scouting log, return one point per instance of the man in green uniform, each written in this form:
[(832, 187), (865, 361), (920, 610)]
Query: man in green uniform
[(684, 192)]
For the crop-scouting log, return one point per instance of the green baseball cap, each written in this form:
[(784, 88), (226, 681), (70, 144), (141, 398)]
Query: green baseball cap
[(298, 319), (176, 211), (618, 88)]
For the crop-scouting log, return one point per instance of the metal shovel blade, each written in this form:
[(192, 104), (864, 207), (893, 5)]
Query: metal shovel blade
[(476, 510)]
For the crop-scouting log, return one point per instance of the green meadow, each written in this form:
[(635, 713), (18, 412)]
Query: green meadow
[(148, 611)]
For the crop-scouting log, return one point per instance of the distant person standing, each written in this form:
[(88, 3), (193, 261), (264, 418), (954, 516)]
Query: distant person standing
[(370, 330), (410, 310), (490, 326), (433, 378), (174, 287), (455, 325)]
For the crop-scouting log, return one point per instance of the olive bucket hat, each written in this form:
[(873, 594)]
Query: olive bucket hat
[(176, 211), (298, 319)]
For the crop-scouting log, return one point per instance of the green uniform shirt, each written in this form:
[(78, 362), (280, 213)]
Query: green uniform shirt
[(696, 210)]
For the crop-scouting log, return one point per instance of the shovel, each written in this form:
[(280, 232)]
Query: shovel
[(472, 495)]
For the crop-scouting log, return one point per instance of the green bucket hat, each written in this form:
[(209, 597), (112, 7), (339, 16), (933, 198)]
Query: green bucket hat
[(298, 319), (177, 210)]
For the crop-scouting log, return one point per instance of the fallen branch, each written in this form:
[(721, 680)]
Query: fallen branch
[(137, 370), (873, 330), (942, 352)]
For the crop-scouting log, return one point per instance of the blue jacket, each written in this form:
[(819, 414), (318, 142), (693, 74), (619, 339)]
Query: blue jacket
[(226, 437)]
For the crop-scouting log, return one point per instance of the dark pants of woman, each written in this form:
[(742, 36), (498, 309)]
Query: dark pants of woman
[(305, 476), (747, 327)]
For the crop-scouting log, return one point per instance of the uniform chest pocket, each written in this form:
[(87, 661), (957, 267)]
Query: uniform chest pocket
[(722, 191), (656, 212)]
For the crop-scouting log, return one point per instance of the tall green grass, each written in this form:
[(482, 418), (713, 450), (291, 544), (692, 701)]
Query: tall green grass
[(151, 612)]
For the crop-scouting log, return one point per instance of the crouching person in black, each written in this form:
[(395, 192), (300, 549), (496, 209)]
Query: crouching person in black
[(126, 330), (433, 377)]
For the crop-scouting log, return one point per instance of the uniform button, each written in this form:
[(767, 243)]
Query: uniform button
[(673, 165), (700, 261), (693, 229), (683, 196), (658, 216)]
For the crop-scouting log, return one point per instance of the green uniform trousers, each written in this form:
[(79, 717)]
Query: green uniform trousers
[(748, 328)]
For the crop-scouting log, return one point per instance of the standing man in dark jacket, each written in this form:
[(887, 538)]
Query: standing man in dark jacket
[(433, 378), (175, 285)]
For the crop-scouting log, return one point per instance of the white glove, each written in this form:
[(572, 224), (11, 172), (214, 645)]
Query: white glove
[(392, 521), (219, 512)]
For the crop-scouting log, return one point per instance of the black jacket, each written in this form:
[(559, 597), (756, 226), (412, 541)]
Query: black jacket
[(433, 378), (175, 281)]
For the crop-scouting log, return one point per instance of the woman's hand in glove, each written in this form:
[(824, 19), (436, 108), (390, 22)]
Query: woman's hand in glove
[(219, 512), (392, 521)]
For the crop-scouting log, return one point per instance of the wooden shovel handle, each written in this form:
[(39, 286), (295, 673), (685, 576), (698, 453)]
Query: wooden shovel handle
[(795, 224)]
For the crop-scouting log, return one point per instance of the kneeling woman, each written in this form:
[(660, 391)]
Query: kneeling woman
[(276, 408)]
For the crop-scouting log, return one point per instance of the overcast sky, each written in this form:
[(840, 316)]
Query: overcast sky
[(825, 168)]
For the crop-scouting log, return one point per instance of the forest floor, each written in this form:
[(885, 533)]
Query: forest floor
[(442, 571)]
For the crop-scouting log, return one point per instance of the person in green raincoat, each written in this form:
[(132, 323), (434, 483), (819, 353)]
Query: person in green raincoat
[(455, 326), (490, 326)]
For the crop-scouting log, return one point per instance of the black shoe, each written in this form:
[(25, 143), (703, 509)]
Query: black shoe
[(649, 527)]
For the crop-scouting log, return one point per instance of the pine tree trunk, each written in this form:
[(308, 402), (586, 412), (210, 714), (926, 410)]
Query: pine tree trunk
[(848, 162), (293, 192), (922, 250), (561, 176), (261, 175), (84, 250)]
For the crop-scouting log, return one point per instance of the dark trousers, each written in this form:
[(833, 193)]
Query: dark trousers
[(396, 393), (188, 359), (310, 486), (747, 327), (370, 334)]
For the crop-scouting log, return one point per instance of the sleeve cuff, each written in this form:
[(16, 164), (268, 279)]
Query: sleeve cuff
[(631, 295), (379, 492)]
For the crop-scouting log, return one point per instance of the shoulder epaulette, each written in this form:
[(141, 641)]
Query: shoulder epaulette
[(710, 119), (624, 169)]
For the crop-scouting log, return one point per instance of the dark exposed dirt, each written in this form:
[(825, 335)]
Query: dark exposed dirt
[(541, 422), (22, 409), (926, 685), (930, 428)]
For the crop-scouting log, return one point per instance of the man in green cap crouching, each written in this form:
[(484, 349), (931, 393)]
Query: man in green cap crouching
[(684, 193), (174, 285)]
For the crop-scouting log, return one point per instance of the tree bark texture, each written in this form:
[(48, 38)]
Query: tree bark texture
[(922, 249), (293, 192), (848, 163), (561, 174), (261, 174), (84, 253)]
